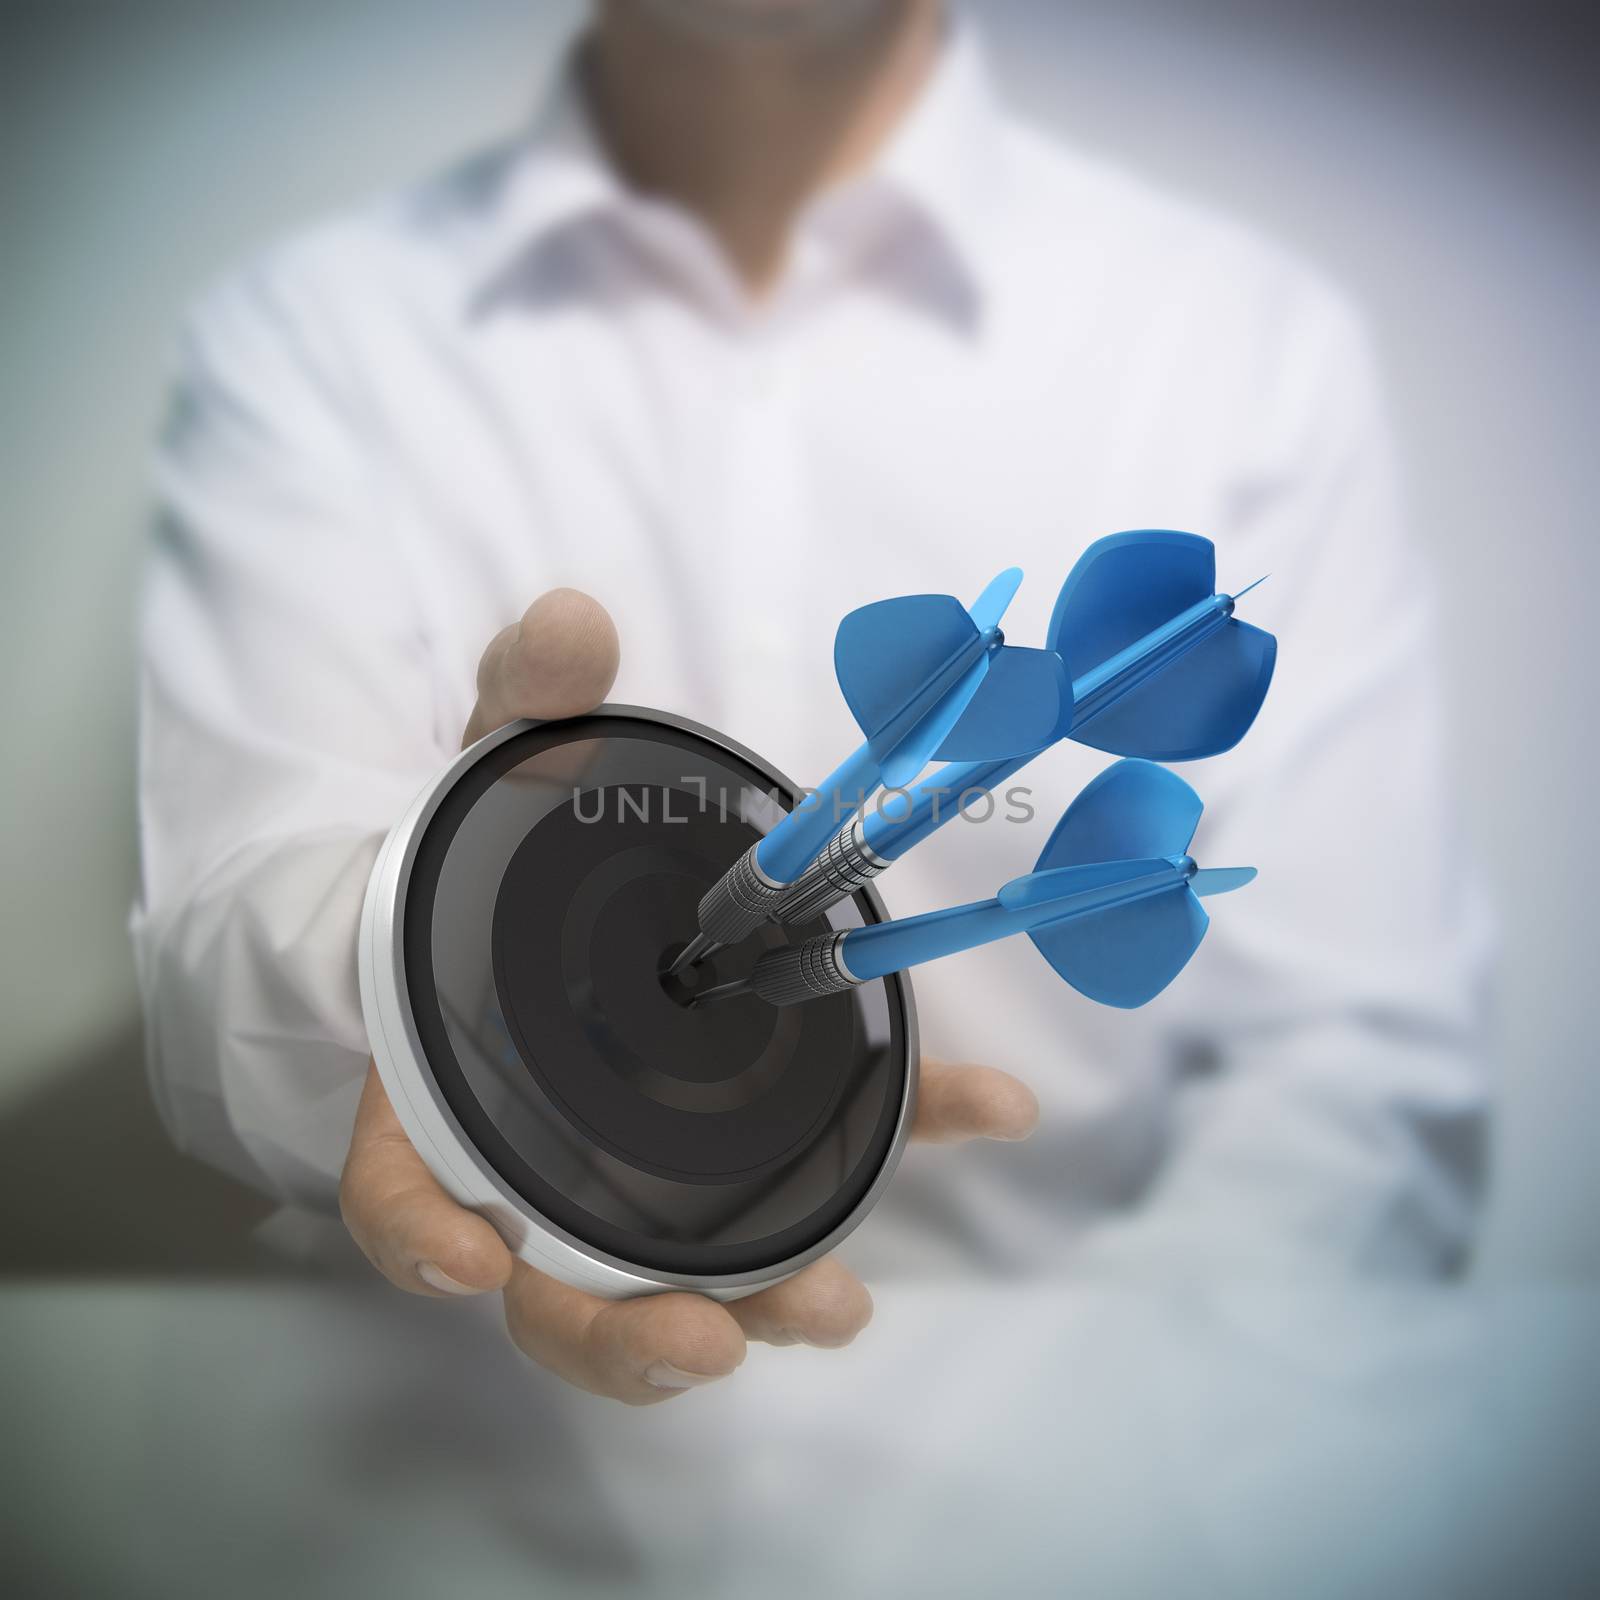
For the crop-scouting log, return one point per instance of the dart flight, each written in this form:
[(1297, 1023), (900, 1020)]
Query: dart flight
[(1161, 668), (1113, 905)]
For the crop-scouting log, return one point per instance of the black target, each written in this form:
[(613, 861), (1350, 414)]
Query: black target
[(551, 884)]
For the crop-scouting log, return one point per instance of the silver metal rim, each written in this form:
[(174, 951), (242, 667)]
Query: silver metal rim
[(439, 1138)]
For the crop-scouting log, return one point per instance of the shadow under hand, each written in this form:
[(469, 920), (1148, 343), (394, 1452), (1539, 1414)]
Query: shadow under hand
[(92, 1187)]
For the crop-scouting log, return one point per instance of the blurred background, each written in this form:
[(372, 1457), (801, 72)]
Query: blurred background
[(1435, 156)]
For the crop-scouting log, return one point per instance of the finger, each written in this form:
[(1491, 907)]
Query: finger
[(406, 1225), (824, 1304), (637, 1351), (558, 661), (955, 1103)]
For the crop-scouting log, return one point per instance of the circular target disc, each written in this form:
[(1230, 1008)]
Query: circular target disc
[(551, 887)]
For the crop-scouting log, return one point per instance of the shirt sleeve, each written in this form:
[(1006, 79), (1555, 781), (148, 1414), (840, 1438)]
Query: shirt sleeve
[(286, 718), (1329, 1090)]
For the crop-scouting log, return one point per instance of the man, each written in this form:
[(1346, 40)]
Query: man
[(769, 278)]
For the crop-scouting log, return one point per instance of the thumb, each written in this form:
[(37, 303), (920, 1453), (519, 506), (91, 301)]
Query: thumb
[(558, 661)]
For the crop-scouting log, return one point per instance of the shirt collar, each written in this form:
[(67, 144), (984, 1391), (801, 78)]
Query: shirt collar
[(551, 178), (944, 161), (941, 166)]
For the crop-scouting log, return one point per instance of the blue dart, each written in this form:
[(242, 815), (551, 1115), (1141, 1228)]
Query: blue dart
[(1113, 905), (1160, 668), (925, 678)]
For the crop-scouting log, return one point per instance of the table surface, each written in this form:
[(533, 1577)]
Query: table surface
[(333, 1437)]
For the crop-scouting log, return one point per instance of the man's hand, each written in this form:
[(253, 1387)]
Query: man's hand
[(560, 660), (557, 662)]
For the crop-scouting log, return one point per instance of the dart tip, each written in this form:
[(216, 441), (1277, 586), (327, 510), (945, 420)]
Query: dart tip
[(696, 951), (1249, 586), (723, 991)]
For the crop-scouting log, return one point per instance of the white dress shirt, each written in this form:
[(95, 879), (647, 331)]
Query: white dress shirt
[(391, 433)]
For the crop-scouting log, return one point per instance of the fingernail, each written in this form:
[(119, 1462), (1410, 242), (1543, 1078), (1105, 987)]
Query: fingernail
[(435, 1278), (663, 1375)]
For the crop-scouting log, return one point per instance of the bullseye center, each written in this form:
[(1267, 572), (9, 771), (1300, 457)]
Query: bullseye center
[(682, 987)]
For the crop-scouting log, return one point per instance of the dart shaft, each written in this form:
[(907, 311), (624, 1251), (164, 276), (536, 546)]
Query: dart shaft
[(834, 962), (751, 890), (887, 947), (936, 933), (1103, 685), (796, 842), (791, 846), (758, 884), (904, 821), (958, 665)]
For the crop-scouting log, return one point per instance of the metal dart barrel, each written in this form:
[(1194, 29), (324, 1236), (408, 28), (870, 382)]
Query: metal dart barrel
[(844, 866), (797, 972)]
